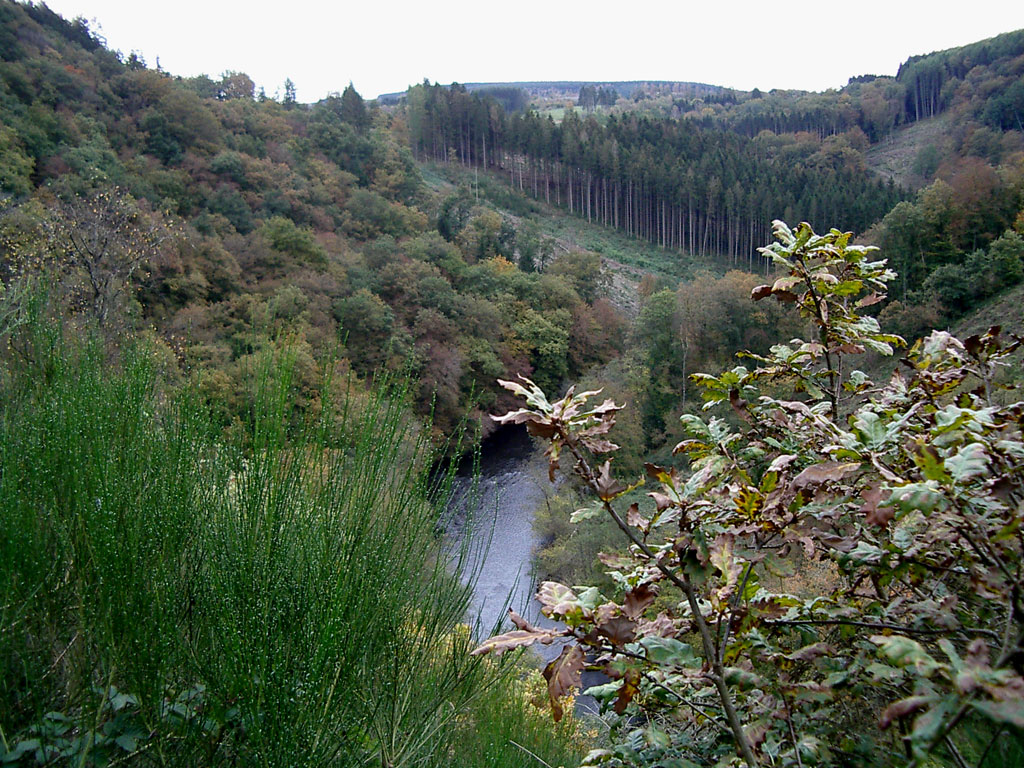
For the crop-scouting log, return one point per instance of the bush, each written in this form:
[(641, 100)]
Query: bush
[(909, 497), (273, 596)]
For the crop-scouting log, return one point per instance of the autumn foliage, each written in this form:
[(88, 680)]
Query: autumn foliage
[(909, 494)]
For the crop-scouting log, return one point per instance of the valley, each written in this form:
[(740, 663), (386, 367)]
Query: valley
[(250, 347)]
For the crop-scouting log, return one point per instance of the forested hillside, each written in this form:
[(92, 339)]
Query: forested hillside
[(275, 219), (667, 181), (225, 322)]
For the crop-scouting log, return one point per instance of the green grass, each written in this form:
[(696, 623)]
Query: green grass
[(170, 595)]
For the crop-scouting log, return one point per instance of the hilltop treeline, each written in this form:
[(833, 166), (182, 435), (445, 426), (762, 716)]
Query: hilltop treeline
[(667, 181), (980, 84)]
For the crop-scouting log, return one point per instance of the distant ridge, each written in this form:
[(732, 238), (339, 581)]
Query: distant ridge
[(556, 89)]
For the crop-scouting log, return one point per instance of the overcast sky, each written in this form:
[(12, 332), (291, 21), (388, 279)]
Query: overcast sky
[(384, 46)]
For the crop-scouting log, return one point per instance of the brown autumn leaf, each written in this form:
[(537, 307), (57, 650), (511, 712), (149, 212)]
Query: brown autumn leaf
[(518, 417), (661, 626), (902, 708), (667, 475), (634, 518), (563, 676), (876, 515), (739, 405), (539, 428), (554, 450), (615, 561), (661, 501), (607, 486), (602, 427), (810, 652), (760, 292), (769, 608), (826, 471), (782, 461), (619, 630), (606, 612), (607, 407), (850, 349), (629, 688), (871, 298), (519, 638), (977, 653), (520, 622), (599, 446), (973, 345), (637, 599)]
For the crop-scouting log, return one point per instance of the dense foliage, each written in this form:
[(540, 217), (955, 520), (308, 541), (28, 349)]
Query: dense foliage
[(957, 244), (275, 595), (684, 187), (907, 496), (310, 222)]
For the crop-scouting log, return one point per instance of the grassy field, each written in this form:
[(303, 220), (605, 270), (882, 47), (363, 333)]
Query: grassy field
[(893, 157)]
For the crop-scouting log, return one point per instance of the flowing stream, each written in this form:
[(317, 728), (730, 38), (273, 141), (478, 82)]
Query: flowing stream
[(512, 485)]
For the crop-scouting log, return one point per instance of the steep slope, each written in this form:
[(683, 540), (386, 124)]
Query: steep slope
[(905, 155)]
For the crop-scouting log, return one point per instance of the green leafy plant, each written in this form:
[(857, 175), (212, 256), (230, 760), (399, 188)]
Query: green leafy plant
[(273, 594), (907, 497)]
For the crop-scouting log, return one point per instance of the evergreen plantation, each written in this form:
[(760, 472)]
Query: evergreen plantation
[(245, 341)]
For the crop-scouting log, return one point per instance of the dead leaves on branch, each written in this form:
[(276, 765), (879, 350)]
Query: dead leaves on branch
[(565, 422)]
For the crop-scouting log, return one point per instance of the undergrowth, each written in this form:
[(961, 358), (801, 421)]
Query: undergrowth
[(171, 594)]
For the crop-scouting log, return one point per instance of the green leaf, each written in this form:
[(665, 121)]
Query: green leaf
[(668, 651), (928, 726), (605, 691), (870, 429), (558, 600), (924, 497), (742, 678), (586, 513), (883, 673), (127, 742), (905, 652), (930, 463), (863, 554), (1010, 711), (656, 737), (969, 462), (596, 757)]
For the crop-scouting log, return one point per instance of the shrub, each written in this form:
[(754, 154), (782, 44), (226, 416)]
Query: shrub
[(909, 495)]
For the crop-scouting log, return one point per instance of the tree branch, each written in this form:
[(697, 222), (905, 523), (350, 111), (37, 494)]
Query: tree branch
[(710, 654)]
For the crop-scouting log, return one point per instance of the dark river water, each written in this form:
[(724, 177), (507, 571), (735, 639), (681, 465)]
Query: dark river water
[(512, 484), (497, 516)]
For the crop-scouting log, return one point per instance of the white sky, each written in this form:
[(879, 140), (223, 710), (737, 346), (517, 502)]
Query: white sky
[(384, 46)]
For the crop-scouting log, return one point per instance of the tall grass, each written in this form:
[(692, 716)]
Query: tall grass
[(170, 595)]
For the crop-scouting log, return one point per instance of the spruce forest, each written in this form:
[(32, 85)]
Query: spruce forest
[(766, 345)]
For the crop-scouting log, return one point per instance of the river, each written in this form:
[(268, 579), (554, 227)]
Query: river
[(512, 484)]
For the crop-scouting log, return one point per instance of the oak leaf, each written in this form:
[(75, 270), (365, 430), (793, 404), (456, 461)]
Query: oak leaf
[(563, 675)]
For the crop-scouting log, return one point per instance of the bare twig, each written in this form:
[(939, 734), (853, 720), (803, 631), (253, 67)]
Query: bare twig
[(535, 756)]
